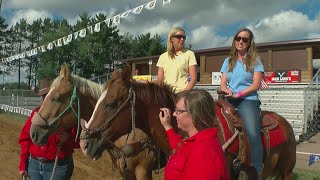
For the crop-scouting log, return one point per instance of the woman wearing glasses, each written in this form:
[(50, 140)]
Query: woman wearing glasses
[(199, 156), (242, 73), (177, 63)]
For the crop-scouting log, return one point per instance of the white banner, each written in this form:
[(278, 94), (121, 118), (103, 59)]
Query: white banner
[(82, 33)]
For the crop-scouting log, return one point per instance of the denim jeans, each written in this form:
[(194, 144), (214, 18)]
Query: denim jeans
[(43, 171), (249, 111)]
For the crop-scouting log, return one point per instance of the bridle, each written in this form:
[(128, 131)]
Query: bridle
[(73, 98), (128, 149), (86, 133)]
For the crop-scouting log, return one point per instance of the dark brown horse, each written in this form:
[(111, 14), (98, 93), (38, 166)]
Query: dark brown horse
[(129, 104), (71, 97)]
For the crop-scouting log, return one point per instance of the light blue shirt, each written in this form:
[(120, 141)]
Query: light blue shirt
[(239, 79)]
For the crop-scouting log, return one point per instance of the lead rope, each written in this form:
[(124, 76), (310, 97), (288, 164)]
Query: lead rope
[(56, 161), (123, 163), (133, 112), (133, 118), (224, 147)]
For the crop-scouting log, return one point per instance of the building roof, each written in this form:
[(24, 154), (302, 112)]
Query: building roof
[(303, 42)]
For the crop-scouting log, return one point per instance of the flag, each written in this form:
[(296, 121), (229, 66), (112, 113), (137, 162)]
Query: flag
[(263, 84), (314, 158)]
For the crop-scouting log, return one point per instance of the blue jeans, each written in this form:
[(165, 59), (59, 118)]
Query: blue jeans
[(42, 171), (249, 111)]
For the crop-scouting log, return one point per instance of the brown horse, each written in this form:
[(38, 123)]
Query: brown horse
[(71, 97), (129, 104)]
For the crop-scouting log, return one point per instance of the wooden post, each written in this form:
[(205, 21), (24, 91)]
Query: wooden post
[(202, 66), (310, 63), (269, 60), (133, 67)]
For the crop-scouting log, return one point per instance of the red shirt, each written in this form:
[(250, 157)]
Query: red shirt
[(48, 150), (198, 157)]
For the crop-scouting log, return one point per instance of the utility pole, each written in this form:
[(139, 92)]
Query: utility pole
[(0, 5)]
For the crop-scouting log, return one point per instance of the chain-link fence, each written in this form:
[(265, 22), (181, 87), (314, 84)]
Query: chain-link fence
[(312, 119)]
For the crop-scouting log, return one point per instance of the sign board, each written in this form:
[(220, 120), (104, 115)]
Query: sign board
[(289, 76), (216, 78), (142, 78)]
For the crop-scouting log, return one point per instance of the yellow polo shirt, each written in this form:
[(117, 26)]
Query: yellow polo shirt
[(176, 70)]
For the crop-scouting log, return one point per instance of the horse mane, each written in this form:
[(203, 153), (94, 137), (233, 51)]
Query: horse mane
[(85, 86), (152, 93)]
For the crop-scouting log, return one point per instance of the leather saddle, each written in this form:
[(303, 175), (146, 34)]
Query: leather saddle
[(234, 122)]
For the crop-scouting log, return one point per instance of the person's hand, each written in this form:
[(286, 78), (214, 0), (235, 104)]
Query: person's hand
[(63, 136), (229, 92), (23, 174), (235, 96), (165, 118)]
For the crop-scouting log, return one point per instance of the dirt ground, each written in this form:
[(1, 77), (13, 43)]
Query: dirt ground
[(85, 168)]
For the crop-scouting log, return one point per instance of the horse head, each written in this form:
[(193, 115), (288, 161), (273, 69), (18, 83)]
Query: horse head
[(61, 107), (124, 105), (106, 122)]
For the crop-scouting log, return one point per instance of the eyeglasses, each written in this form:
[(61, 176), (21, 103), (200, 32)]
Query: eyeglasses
[(244, 39), (180, 36), (179, 111)]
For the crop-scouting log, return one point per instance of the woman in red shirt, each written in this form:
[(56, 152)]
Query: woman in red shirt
[(200, 155), (38, 161)]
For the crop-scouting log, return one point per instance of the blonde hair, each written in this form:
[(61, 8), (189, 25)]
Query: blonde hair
[(251, 56), (170, 48)]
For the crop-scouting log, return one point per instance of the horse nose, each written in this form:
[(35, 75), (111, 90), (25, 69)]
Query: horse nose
[(33, 136)]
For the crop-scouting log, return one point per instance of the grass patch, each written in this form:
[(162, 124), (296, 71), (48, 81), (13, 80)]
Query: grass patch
[(306, 174)]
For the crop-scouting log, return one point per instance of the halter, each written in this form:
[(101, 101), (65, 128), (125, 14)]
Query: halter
[(77, 114), (86, 133), (120, 153)]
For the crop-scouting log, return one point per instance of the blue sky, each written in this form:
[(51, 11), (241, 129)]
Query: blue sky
[(209, 23)]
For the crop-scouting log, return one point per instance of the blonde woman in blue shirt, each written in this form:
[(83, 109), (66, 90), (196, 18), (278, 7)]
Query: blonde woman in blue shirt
[(242, 73)]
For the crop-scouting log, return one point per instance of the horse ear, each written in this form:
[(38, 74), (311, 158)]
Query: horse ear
[(126, 73), (65, 71), (115, 74)]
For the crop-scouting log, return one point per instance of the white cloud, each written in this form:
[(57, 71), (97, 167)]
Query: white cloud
[(205, 37), (30, 15), (209, 23), (286, 25)]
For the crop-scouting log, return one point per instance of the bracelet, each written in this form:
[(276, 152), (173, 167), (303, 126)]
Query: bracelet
[(240, 93)]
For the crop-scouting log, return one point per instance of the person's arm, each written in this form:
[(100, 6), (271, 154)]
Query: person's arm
[(223, 85), (224, 78), (160, 75), (173, 138), (193, 76), (165, 119), (25, 143)]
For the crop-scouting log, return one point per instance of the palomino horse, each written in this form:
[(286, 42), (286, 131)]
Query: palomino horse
[(61, 109), (113, 117)]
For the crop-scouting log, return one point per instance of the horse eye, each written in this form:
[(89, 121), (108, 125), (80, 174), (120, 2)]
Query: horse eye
[(56, 99), (111, 105)]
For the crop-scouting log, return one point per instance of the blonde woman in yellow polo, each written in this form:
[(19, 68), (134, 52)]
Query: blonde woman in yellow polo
[(177, 63)]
